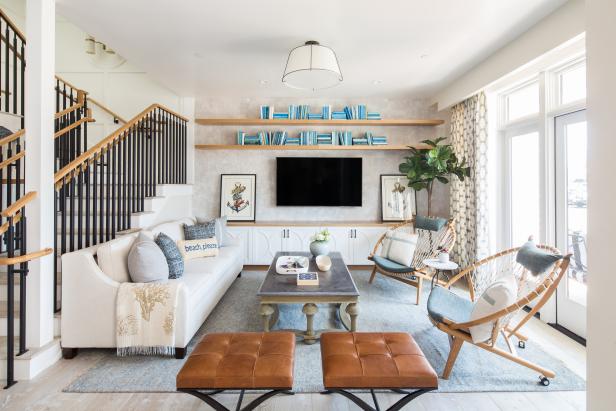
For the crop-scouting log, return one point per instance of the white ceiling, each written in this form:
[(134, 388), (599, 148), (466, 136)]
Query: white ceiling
[(218, 47)]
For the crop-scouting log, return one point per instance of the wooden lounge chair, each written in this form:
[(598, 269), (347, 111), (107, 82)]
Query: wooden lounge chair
[(450, 312), (429, 242)]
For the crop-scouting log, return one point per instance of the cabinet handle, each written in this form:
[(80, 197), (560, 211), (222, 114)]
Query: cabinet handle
[(354, 233)]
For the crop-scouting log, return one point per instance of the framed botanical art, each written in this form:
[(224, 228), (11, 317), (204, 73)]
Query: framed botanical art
[(238, 196), (398, 200)]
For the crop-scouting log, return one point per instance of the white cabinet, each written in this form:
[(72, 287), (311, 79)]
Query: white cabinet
[(266, 242), (242, 235), (261, 243), (341, 242), (364, 239), (297, 238)]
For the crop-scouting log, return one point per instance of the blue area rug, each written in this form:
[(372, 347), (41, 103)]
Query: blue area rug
[(386, 305)]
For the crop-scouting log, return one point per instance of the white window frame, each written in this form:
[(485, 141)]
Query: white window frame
[(543, 122)]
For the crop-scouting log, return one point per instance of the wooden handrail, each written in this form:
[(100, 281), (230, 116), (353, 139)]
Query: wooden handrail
[(11, 160), (5, 227), (79, 161), (107, 110), (69, 84), (18, 205), (72, 126), (68, 110), (26, 257), (21, 36), (12, 137)]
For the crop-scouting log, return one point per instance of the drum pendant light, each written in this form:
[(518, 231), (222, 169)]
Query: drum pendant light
[(312, 67)]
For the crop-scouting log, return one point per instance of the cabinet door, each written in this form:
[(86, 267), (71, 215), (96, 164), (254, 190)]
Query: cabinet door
[(266, 242), (341, 242), (242, 236), (364, 239), (298, 238)]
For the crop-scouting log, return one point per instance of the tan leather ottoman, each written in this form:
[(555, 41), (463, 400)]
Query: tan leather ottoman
[(239, 361), (390, 361)]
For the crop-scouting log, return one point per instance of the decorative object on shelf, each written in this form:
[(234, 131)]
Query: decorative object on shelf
[(302, 112), (323, 262), (437, 162), (398, 200), (309, 278), (238, 196), (312, 67), (292, 264), (319, 244)]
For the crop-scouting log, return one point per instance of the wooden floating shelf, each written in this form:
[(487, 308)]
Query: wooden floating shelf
[(315, 147), (284, 122)]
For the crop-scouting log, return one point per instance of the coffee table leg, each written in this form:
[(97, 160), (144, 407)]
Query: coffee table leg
[(310, 310), (353, 311), (266, 311)]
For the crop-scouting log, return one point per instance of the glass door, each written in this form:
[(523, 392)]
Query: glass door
[(571, 218)]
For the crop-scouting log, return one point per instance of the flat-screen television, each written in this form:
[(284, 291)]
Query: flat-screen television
[(315, 181)]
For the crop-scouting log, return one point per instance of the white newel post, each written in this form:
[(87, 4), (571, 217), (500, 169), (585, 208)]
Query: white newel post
[(187, 109), (39, 113)]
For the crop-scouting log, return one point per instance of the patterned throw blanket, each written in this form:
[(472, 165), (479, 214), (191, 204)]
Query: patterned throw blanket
[(146, 318)]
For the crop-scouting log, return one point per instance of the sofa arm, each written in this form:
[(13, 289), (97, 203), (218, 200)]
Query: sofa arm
[(88, 302)]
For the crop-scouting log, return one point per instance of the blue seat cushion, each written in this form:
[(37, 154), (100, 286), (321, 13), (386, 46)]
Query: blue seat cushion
[(391, 266), (443, 303)]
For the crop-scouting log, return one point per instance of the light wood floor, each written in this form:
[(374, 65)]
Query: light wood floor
[(45, 391)]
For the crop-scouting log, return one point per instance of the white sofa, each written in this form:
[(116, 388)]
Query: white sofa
[(91, 278)]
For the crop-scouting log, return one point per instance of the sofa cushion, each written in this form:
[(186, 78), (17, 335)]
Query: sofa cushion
[(174, 229), (202, 247), (146, 261), (501, 294), (112, 258), (172, 254), (200, 230)]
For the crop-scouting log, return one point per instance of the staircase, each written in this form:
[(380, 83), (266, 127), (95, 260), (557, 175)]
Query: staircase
[(132, 179)]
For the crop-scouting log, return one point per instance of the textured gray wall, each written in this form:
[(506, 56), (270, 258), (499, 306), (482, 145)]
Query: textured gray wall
[(209, 165)]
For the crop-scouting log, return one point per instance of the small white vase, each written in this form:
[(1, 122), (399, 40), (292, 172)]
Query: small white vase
[(319, 248), (443, 257)]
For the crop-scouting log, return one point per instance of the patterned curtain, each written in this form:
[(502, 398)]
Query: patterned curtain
[(469, 137)]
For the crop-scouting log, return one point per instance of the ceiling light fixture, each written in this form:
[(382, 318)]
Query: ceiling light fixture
[(312, 67)]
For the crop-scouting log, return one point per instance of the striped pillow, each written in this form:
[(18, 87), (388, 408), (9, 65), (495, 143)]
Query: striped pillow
[(399, 247)]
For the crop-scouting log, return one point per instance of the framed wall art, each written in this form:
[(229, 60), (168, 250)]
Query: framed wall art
[(398, 200), (238, 195)]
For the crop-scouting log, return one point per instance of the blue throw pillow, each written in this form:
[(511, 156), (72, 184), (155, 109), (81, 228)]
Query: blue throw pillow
[(172, 254), (429, 223), (200, 231), (535, 259)]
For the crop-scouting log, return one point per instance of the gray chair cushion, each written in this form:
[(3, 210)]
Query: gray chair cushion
[(200, 230), (391, 266), (146, 261), (443, 303), (535, 259), (429, 223), (172, 254)]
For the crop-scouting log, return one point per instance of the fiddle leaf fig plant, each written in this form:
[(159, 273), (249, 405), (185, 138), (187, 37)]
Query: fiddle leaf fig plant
[(436, 162)]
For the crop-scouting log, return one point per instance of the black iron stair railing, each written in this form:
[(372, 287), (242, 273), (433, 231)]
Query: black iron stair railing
[(97, 192), (13, 68)]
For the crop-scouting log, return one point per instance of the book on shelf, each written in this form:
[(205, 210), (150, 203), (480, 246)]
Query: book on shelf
[(266, 112), (280, 116)]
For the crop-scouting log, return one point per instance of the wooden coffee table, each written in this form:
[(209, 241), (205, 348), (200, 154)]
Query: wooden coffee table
[(336, 286)]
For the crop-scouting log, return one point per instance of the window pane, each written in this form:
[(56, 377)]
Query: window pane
[(576, 210), (573, 84), (523, 102), (524, 188)]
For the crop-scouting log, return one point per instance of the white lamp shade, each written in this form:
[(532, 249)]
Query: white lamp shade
[(312, 67)]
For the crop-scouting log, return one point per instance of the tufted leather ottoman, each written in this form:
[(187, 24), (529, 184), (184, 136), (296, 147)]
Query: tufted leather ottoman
[(239, 361), (390, 361)]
